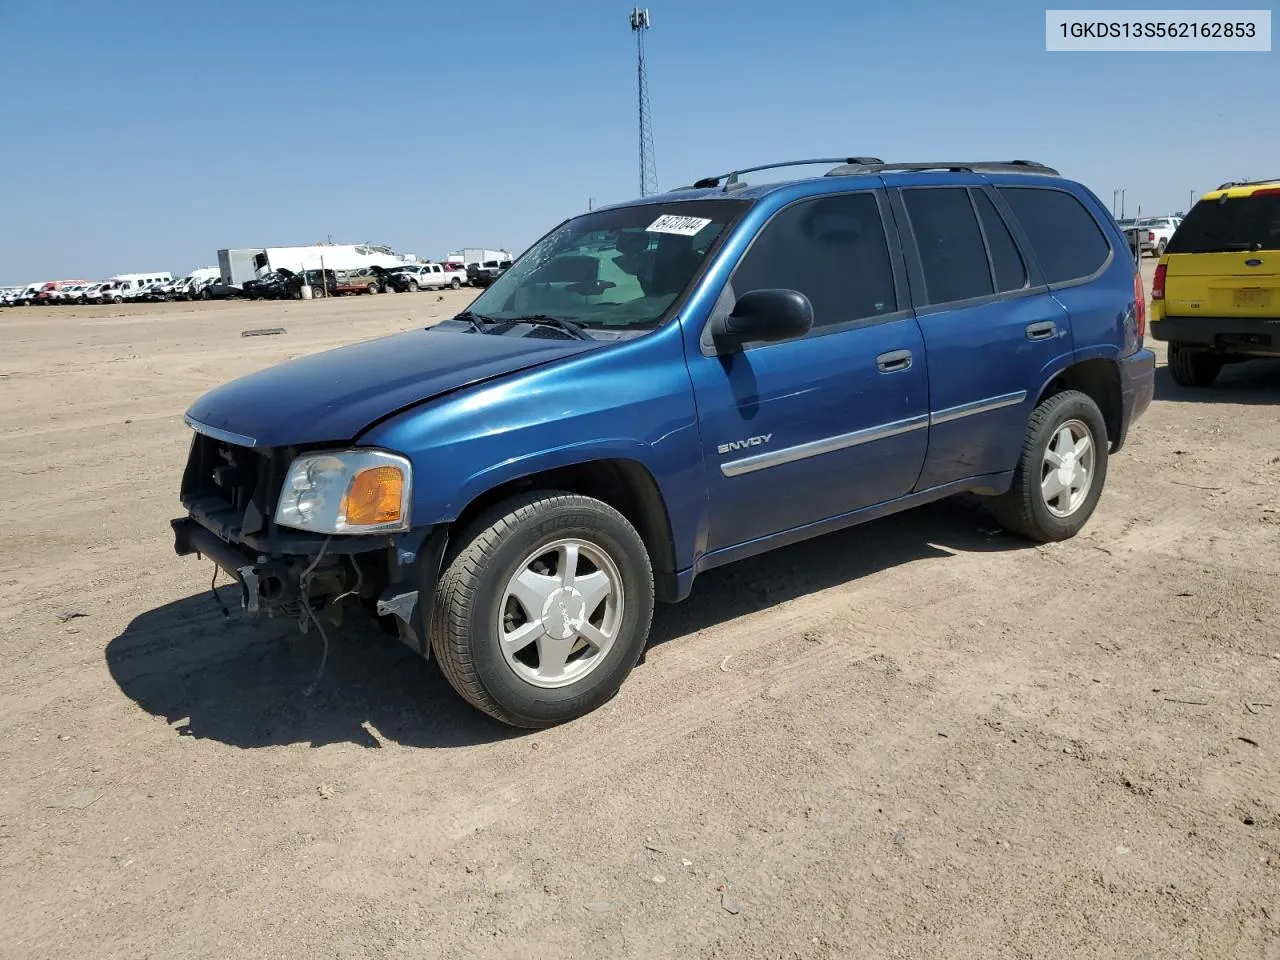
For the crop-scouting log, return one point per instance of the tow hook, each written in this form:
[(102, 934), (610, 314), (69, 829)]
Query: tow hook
[(249, 588)]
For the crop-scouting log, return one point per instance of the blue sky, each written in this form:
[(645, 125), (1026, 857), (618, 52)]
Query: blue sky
[(144, 135)]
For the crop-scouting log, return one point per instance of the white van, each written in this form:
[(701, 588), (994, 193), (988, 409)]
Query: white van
[(127, 286)]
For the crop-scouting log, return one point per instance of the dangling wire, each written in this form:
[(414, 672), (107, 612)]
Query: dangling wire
[(216, 598), (354, 591), (304, 582), (324, 657)]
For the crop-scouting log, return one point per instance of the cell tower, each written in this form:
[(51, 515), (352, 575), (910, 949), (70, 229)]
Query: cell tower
[(648, 167)]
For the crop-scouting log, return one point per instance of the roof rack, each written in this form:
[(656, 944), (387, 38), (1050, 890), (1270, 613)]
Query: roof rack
[(980, 166), (1247, 183), (732, 182)]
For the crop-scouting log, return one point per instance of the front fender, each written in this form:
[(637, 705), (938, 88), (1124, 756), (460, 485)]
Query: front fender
[(551, 458), (631, 402)]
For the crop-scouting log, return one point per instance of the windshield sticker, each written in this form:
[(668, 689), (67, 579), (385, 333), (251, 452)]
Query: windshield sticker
[(680, 226)]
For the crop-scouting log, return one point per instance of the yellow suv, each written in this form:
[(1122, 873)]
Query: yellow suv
[(1216, 294)]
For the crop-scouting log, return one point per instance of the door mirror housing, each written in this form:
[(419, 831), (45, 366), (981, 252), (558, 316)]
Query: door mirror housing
[(764, 316)]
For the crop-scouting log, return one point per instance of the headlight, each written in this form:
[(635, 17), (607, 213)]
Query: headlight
[(347, 492)]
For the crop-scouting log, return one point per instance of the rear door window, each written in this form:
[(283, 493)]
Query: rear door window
[(1006, 262), (1065, 237), (1236, 224), (952, 253)]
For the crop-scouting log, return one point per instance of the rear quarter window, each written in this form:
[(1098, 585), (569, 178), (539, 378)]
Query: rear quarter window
[(1064, 235)]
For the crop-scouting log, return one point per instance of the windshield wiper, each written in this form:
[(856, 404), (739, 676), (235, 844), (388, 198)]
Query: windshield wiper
[(479, 323), (542, 319)]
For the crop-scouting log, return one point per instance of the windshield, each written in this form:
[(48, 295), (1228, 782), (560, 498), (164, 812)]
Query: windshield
[(1237, 223), (621, 268)]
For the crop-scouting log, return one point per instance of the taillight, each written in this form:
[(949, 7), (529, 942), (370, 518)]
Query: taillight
[(1151, 236), (1268, 192), (1140, 301), (1157, 284)]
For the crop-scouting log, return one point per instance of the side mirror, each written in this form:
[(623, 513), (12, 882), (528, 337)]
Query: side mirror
[(764, 316)]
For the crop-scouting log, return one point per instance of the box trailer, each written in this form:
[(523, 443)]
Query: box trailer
[(469, 255), (243, 264)]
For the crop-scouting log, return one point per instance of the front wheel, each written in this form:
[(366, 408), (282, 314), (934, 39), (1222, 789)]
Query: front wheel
[(1061, 471), (1193, 368), (413, 286), (543, 609)]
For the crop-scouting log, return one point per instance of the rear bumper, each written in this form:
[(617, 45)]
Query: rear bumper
[(1137, 387), (1238, 335)]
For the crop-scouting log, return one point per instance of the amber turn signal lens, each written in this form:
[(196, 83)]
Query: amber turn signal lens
[(373, 497)]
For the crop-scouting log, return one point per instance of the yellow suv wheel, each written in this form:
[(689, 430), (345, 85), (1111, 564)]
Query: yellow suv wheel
[(1193, 368)]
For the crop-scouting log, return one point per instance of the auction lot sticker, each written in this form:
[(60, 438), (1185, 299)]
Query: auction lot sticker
[(680, 226)]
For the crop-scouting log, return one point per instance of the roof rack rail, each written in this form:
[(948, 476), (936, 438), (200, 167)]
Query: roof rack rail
[(732, 182), (1247, 183), (955, 166)]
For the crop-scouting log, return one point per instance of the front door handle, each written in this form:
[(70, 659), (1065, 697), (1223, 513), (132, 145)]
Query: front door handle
[(894, 362), (1044, 330)]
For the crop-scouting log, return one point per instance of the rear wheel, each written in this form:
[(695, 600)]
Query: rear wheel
[(1160, 248), (1193, 368), (543, 609), (455, 283), (1061, 471)]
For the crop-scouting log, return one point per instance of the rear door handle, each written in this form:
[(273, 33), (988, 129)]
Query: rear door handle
[(894, 361), (1044, 330)]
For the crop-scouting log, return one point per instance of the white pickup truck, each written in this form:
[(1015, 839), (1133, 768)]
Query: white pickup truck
[(432, 276), (1151, 234)]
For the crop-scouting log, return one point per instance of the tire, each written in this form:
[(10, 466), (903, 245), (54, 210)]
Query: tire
[(1025, 508), (1160, 248), (1193, 368), (117, 300), (205, 295), (413, 286), (372, 289), (455, 283), (473, 606)]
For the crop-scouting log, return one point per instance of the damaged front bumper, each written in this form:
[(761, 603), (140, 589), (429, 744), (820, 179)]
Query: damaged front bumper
[(308, 576)]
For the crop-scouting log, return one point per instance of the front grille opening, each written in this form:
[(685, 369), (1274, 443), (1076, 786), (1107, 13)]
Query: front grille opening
[(224, 471), (228, 485)]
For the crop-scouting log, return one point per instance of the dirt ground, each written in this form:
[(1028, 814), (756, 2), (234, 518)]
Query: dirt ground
[(918, 738)]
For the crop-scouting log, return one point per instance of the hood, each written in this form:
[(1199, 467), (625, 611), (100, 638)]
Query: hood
[(335, 395)]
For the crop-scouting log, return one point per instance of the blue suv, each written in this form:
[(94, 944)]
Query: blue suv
[(665, 386)]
